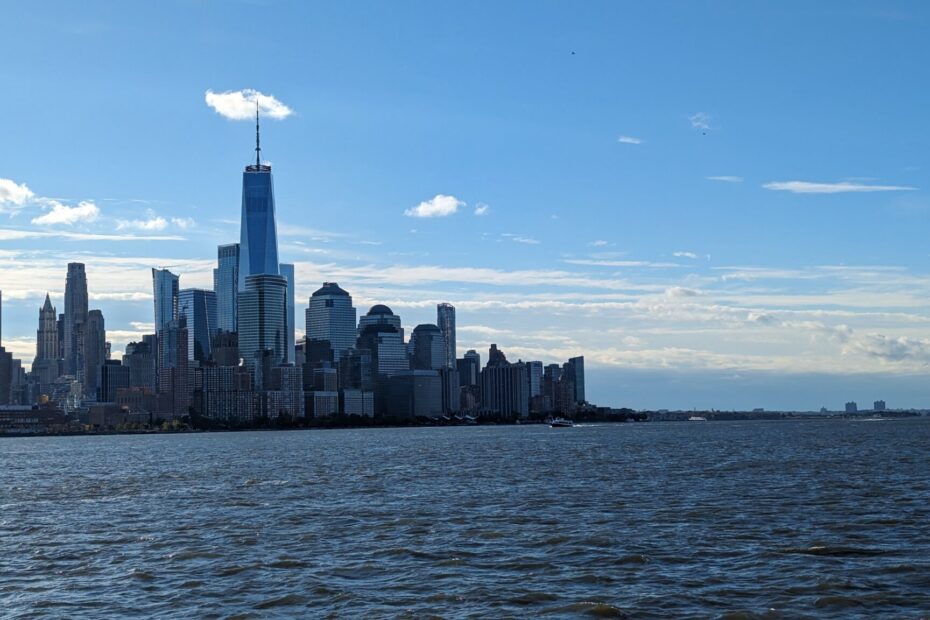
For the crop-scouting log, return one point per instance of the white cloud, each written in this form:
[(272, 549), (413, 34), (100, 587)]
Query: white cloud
[(481, 209), (685, 255), (629, 140), (526, 240), (13, 196), (600, 243), (725, 179), (700, 120), (439, 205), (617, 263), (83, 213), (152, 222), (806, 187), (13, 234), (239, 105), (183, 222)]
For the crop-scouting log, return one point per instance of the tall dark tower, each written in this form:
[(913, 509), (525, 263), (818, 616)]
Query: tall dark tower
[(75, 318), (258, 241)]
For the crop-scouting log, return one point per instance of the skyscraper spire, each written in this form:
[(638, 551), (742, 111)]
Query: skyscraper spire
[(258, 147)]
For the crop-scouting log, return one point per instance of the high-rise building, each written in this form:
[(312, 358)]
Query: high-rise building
[(573, 371), (165, 290), (469, 367), (226, 286), (173, 377), (330, 316), (140, 358), (1, 318), (45, 367), (198, 307), (75, 316), (262, 321), (258, 237), (505, 390), (388, 354), (113, 377), (379, 313), (95, 351), (445, 319), (287, 272), (534, 372), (429, 348)]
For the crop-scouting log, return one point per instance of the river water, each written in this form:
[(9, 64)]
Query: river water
[(807, 518)]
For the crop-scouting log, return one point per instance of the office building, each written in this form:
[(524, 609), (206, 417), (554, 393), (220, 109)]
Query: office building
[(262, 321), (95, 351), (74, 319), (258, 237), (445, 320), (380, 314), (534, 373), (428, 348), (878, 406), (330, 316), (505, 390), (140, 358), (414, 393), (199, 309), (46, 365), (226, 286), (388, 354), (113, 377), (469, 367), (165, 293), (287, 271)]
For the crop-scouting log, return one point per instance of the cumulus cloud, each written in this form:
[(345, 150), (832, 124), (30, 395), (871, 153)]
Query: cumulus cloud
[(481, 209), (629, 140), (806, 187), (239, 105), (13, 195), (725, 178), (439, 205), (700, 120), (84, 212)]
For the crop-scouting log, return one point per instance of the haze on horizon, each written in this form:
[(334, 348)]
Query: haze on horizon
[(717, 208)]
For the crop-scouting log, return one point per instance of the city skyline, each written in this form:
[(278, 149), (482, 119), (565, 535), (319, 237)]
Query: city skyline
[(702, 252)]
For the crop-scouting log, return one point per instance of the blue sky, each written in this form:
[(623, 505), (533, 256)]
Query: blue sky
[(719, 204)]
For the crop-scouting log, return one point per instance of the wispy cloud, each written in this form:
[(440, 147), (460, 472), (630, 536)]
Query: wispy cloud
[(152, 222), (13, 196), (685, 255), (599, 243), (806, 187), (439, 205), (700, 120), (629, 140), (518, 238), (61, 214), (13, 234), (725, 178), (239, 105), (481, 209), (184, 222), (618, 263)]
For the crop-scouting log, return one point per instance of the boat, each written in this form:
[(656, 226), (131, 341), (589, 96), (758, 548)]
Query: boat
[(697, 418), (561, 423)]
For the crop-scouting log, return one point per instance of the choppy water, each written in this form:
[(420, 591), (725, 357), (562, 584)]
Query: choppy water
[(770, 519)]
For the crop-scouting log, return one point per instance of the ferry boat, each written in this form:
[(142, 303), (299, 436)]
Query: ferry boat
[(697, 418), (561, 423)]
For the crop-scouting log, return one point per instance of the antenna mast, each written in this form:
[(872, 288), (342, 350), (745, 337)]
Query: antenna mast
[(258, 148)]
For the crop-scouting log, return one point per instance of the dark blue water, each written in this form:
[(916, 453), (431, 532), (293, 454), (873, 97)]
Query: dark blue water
[(733, 519)]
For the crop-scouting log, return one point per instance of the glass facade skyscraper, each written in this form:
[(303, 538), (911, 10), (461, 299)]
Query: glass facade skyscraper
[(331, 316), (74, 319), (165, 291), (226, 286), (198, 307), (445, 320), (262, 320), (287, 272), (258, 240)]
